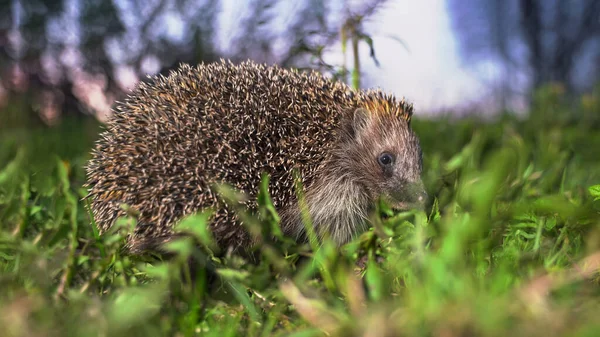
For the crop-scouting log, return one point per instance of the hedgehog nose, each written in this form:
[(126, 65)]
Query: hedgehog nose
[(422, 197), (417, 194), (414, 193)]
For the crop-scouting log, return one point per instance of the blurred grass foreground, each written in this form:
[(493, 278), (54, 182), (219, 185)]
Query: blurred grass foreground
[(509, 245)]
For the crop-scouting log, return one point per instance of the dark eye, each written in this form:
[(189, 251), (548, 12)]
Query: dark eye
[(385, 159)]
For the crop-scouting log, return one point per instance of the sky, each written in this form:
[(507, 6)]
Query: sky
[(429, 73)]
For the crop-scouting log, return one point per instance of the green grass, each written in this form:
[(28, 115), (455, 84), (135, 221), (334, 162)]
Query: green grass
[(508, 246)]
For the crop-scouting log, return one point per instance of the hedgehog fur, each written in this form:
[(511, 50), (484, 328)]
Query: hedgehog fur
[(175, 136)]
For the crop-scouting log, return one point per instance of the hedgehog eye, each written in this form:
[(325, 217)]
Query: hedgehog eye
[(385, 159)]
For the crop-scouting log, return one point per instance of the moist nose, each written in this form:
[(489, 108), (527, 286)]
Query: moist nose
[(417, 193), (421, 196)]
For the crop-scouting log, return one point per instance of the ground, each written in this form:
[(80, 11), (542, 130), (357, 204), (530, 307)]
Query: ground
[(508, 245)]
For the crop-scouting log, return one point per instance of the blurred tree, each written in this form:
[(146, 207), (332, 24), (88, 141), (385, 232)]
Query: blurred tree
[(73, 56), (68, 54), (312, 28), (530, 42)]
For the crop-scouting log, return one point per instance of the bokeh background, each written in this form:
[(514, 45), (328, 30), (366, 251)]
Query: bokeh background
[(507, 99), (76, 57)]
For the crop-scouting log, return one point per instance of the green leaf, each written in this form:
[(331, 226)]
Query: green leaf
[(198, 226), (267, 210), (233, 274), (182, 246), (595, 192), (240, 293), (158, 271), (374, 280), (136, 305)]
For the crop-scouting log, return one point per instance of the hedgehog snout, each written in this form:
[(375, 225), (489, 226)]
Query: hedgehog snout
[(409, 195)]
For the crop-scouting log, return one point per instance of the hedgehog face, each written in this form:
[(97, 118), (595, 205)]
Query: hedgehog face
[(387, 156)]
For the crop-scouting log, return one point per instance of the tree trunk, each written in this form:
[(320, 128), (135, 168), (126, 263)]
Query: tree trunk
[(531, 21)]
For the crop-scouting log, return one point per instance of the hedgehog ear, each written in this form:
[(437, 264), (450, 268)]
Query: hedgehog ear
[(360, 119)]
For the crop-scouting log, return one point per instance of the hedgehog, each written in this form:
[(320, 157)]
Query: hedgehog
[(175, 137)]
